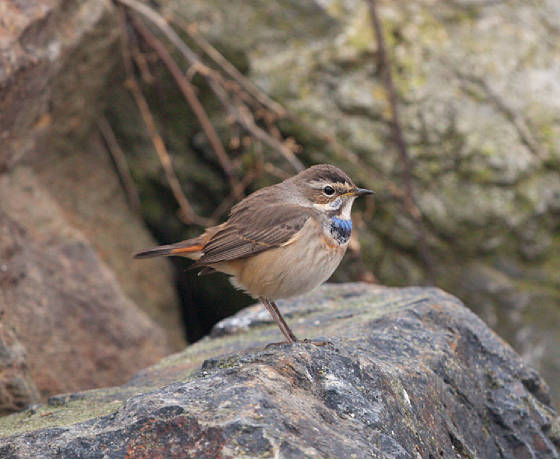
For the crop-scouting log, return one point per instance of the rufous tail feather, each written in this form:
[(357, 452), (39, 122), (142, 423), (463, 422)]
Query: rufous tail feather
[(168, 250)]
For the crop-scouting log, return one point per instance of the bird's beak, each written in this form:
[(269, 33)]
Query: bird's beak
[(362, 192)]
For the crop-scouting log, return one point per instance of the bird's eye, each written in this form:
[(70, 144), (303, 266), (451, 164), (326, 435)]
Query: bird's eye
[(328, 190)]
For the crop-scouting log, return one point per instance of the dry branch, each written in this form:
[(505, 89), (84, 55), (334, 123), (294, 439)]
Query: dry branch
[(227, 203), (190, 95), (218, 58), (398, 137), (119, 160), (158, 20), (243, 115), (187, 213), (239, 112)]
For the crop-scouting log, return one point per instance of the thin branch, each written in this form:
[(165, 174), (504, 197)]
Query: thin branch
[(190, 95), (231, 70), (141, 61), (243, 115), (119, 159), (158, 20), (226, 203), (275, 171), (240, 113), (398, 137), (187, 213)]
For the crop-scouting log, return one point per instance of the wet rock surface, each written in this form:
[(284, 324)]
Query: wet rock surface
[(410, 373)]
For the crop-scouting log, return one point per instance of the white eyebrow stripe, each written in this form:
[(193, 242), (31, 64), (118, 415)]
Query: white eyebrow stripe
[(339, 186), (318, 184)]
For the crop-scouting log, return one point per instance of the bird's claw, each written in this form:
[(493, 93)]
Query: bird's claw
[(315, 342)]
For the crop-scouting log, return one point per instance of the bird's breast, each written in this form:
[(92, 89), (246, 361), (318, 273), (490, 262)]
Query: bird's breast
[(292, 269)]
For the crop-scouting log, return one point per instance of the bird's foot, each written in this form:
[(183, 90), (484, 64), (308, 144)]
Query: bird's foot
[(316, 342), (276, 344)]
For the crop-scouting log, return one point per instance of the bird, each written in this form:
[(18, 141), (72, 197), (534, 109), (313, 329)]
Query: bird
[(281, 241)]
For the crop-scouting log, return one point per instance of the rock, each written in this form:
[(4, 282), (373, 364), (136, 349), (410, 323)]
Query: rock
[(410, 373), (84, 185), (64, 216), (54, 60), (17, 389), (62, 302)]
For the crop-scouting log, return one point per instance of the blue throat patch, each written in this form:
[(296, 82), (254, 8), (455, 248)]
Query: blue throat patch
[(341, 230)]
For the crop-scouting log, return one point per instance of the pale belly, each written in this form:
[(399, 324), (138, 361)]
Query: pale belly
[(290, 270)]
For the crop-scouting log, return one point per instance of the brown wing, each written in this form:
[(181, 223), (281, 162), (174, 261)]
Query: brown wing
[(250, 231)]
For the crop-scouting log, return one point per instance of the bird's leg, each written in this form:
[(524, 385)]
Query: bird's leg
[(275, 313), (286, 331)]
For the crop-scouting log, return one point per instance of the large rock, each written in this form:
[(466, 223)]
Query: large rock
[(76, 311), (410, 373), (62, 303)]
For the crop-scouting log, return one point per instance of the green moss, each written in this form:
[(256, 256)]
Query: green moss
[(66, 414)]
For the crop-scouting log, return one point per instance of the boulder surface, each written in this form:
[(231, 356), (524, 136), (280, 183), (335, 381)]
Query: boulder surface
[(410, 373)]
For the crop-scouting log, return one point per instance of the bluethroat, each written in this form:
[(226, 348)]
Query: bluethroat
[(281, 241)]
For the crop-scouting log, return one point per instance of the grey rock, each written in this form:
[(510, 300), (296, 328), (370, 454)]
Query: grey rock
[(410, 373)]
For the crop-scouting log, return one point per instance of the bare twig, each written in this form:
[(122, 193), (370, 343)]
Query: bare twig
[(187, 213), (218, 58), (189, 93), (244, 116), (409, 201), (119, 160), (141, 61), (158, 20), (241, 113), (226, 203), (275, 172)]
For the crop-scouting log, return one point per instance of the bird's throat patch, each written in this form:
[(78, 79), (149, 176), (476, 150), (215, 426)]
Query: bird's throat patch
[(341, 230)]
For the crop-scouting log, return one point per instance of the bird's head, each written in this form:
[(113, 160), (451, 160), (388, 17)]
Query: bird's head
[(327, 189)]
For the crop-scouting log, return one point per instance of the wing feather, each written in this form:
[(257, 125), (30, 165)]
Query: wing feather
[(253, 230)]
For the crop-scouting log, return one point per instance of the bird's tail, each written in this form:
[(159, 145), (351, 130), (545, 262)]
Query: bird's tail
[(190, 248)]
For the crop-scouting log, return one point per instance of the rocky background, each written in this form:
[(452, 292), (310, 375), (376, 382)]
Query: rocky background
[(478, 90)]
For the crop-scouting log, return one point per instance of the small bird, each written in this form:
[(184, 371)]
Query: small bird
[(280, 241)]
